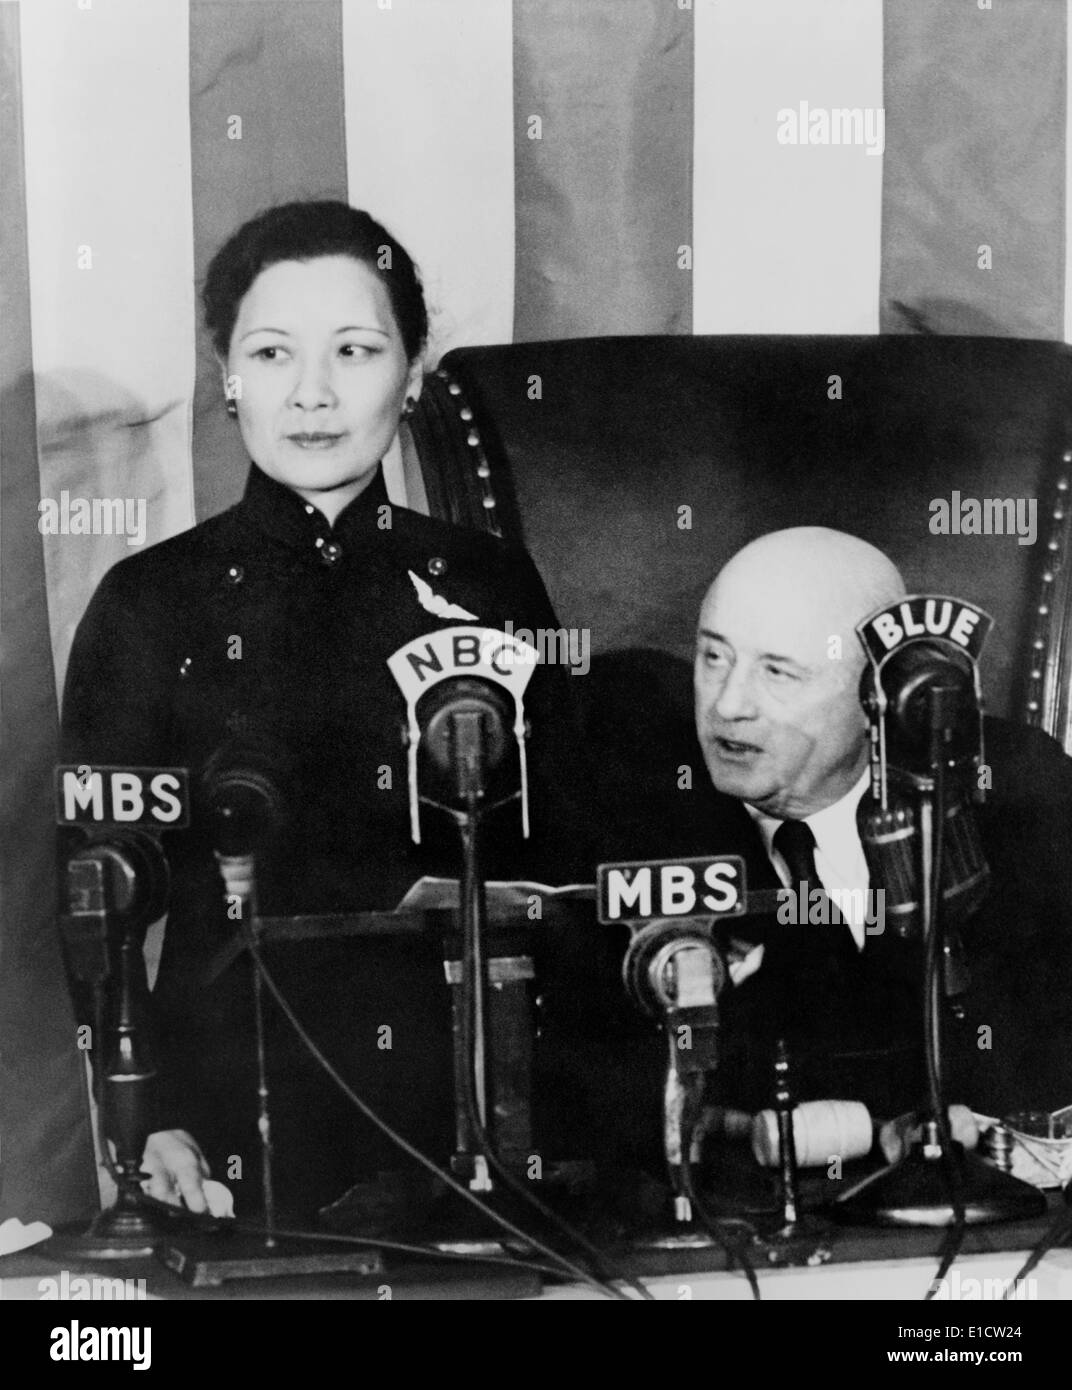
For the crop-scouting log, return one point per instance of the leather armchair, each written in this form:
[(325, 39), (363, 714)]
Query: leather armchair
[(587, 450)]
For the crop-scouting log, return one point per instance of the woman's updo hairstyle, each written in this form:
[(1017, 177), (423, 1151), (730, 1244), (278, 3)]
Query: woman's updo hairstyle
[(302, 232)]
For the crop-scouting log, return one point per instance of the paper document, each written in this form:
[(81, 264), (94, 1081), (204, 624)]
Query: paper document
[(428, 894)]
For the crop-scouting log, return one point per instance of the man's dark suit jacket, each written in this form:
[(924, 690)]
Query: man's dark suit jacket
[(853, 1019)]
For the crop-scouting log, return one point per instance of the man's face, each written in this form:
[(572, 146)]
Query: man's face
[(777, 709)]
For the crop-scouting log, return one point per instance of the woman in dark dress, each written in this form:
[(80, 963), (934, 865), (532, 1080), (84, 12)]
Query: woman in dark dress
[(270, 625)]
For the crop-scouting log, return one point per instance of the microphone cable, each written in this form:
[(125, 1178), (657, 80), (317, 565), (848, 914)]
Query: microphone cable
[(734, 1247), (577, 1271), (1058, 1231), (204, 1221), (472, 977)]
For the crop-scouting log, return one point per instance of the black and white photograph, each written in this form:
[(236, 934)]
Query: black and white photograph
[(536, 700)]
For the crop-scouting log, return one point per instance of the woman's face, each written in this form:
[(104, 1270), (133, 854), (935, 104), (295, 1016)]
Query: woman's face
[(323, 375)]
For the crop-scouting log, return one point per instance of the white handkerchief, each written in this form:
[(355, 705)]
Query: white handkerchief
[(15, 1236), (220, 1198)]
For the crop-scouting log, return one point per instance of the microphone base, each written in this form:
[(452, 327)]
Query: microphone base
[(124, 1232), (802, 1243), (914, 1192), (209, 1260), (674, 1235)]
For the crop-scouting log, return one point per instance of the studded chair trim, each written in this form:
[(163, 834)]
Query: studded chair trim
[(1048, 702), (462, 489)]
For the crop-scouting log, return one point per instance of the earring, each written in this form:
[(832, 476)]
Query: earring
[(409, 407), (232, 408)]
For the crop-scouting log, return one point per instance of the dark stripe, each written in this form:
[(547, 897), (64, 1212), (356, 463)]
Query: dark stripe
[(975, 154), (277, 66), (46, 1152), (604, 196)]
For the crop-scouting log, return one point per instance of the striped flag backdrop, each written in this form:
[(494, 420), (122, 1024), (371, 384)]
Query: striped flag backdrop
[(558, 168)]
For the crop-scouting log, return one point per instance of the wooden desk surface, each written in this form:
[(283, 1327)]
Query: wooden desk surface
[(866, 1264)]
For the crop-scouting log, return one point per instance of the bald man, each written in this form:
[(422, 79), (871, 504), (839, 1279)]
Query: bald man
[(783, 736), (778, 713), (778, 667)]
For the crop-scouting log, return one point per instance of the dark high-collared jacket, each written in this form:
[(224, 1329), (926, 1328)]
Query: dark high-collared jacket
[(265, 624)]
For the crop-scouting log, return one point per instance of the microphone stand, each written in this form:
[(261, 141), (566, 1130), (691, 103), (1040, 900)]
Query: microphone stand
[(791, 1236), (128, 1229), (114, 888), (674, 973), (248, 903), (474, 971), (472, 1140), (479, 1105), (936, 1183)]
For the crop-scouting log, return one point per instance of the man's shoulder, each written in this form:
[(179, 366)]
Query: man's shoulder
[(1024, 821), (1026, 765)]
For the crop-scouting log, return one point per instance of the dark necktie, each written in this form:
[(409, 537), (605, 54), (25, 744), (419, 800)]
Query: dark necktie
[(795, 842)]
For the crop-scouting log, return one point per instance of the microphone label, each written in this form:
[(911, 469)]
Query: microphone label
[(484, 652), (107, 795), (671, 888), (924, 616)]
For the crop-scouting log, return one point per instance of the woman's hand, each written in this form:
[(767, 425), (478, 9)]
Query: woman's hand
[(177, 1169)]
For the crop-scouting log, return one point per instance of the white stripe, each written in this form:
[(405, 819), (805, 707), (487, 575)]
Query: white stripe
[(1068, 173), (430, 150), (786, 239), (106, 111)]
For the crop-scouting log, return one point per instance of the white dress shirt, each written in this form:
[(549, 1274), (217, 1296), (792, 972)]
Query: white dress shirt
[(839, 862)]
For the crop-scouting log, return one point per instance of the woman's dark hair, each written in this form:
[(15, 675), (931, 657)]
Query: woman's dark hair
[(302, 232)]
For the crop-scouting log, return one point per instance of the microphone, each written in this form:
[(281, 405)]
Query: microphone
[(116, 885), (891, 842), (674, 972), (921, 693), (909, 679), (464, 727), (464, 688), (245, 789), (243, 794), (117, 882), (672, 965)]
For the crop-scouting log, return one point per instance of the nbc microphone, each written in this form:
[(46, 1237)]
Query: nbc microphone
[(464, 691), (465, 726)]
